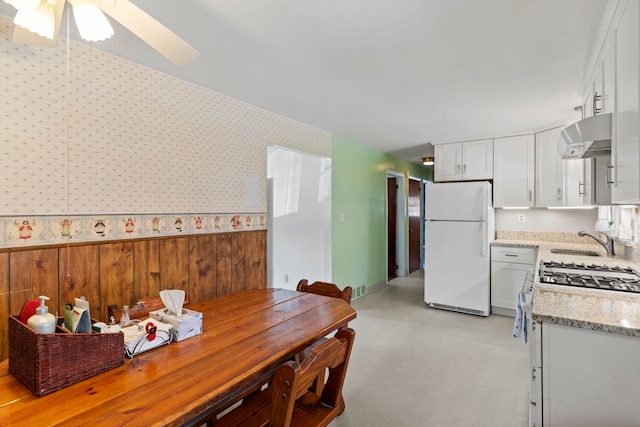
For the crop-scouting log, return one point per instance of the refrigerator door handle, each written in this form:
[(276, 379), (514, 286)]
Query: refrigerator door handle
[(485, 237), (485, 203)]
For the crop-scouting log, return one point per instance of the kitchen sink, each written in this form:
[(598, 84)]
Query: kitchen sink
[(574, 252)]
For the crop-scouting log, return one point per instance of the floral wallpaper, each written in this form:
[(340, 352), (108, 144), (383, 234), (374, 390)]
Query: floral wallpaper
[(141, 145)]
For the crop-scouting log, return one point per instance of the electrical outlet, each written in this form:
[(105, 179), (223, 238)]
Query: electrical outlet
[(286, 278), (520, 217)]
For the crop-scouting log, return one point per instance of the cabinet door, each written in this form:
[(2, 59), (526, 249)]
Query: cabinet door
[(575, 188), (549, 169), (586, 186), (513, 175), (606, 103), (448, 165), (589, 377), (477, 159), (625, 142), (506, 281)]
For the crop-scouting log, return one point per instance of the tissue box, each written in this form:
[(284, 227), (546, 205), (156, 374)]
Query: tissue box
[(187, 325)]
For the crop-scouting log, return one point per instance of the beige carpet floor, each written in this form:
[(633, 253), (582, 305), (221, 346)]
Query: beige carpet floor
[(416, 366)]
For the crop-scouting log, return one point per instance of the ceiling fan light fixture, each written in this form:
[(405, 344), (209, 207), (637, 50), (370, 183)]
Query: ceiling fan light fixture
[(428, 161), (91, 22), (40, 20), (24, 4)]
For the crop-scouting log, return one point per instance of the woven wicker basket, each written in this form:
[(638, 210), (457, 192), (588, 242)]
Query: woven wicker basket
[(45, 363)]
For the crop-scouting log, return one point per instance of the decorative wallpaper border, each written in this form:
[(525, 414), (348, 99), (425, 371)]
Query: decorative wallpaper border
[(21, 231)]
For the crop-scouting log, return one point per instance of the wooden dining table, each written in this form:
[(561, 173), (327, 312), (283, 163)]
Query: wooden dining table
[(246, 335)]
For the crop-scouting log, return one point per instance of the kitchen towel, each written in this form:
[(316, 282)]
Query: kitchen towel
[(520, 323)]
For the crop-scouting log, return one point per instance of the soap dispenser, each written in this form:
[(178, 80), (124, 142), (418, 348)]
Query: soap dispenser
[(42, 322)]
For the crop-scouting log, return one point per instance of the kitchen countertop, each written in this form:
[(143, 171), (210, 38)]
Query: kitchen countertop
[(609, 311)]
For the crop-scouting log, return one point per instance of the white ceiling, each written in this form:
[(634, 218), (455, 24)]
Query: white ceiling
[(390, 74)]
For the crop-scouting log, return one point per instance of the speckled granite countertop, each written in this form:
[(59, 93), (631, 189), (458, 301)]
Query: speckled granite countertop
[(610, 311)]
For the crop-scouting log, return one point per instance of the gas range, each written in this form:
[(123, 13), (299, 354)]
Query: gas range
[(604, 277)]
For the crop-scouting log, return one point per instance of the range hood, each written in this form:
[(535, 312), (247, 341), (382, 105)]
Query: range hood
[(590, 137)]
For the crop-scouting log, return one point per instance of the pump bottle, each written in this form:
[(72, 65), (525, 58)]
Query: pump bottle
[(42, 322)]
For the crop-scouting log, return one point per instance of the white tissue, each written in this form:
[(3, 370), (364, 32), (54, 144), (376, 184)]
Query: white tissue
[(173, 300)]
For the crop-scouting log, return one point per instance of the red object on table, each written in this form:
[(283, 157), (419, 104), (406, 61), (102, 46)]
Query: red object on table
[(28, 310)]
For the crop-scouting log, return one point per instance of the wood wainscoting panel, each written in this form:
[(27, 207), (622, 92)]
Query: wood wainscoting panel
[(121, 272), (31, 274), (255, 255), (202, 271), (5, 311), (146, 271), (79, 276), (174, 263), (116, 275), (223, 264), (238, 264)]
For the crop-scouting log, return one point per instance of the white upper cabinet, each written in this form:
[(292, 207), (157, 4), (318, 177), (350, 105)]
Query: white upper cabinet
[(464, 161), (549, 169), (448, 162), (577, 182), (514, 171), (625, 142), (559, 182), (599, 98)]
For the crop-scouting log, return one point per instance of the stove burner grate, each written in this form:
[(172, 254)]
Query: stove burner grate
[(590, 276)]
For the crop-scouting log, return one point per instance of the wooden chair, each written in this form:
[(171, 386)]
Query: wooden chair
[(326, 289), (288, 401), (319, 288), (329, 290)]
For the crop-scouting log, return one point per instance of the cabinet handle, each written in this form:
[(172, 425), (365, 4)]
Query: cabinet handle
[(607, 176), (464, 168), (530, 195), (596, 98), (458, 168), (533, 374), (559, 194), (580, 193)]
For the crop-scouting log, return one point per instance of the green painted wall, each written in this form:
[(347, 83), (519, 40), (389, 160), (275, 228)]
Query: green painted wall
[(359, 182)]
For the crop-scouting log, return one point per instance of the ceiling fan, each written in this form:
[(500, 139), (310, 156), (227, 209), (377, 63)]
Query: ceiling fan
[(37, 22)]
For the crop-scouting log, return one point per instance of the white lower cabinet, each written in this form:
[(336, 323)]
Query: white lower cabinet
[(508, 267), (590, 378)]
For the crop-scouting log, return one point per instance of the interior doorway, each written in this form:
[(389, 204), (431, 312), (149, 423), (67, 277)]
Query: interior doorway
[(414, 210), (396, 226)]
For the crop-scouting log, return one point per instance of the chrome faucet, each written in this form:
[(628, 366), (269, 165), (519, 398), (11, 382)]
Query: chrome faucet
[(608, 245)]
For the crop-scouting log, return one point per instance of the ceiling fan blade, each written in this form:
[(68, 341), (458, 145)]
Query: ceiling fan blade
[(24, 36), (150, 30)]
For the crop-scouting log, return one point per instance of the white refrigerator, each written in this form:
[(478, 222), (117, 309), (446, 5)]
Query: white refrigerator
[(459, 227)]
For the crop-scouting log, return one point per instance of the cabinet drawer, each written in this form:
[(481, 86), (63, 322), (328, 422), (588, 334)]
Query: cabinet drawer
[(513, 254)]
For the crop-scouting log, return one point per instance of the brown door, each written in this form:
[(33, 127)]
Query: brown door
[(414, 225), (392, 264)]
